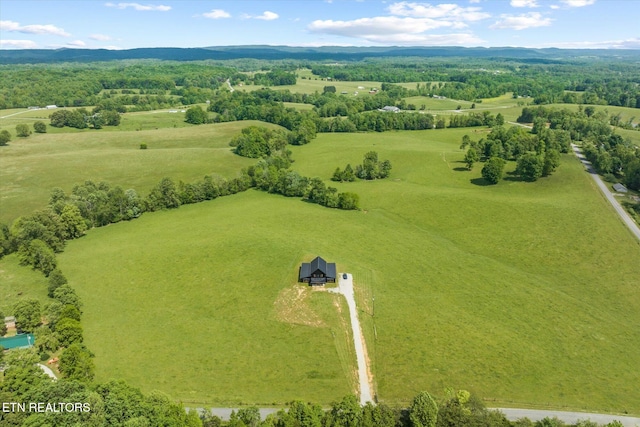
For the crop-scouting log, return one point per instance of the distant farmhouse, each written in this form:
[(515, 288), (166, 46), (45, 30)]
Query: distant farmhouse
[(317, 272)]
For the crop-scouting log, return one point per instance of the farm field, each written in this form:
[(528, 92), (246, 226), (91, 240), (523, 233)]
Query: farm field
[(523, 293), (31, 167), (313, 85)]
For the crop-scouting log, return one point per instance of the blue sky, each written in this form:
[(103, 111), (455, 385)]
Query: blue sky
[(124, 25)]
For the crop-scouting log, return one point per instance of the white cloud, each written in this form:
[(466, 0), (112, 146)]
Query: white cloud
[(77, 43), (33, 29), (100, 37), (217, 14), (18, 44), (140, 7), (408, 24), (578, 3), (522, 22), (267, 16), (378, 26), (441, 11), (524, 3), (395, 30)]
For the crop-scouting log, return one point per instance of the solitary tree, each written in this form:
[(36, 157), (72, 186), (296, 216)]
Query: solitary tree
[(5, 137), (22, 130), (471, 157), (465, 142), (196, 115), (493, 170), (40, 127)]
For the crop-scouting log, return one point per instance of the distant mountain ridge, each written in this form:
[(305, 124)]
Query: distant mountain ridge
[(25, 56)]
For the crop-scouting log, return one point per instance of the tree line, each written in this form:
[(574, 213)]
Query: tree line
[(273, 174), (613, 156), (77, 85), (568, 81)]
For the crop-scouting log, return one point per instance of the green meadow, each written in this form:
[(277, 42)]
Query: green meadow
[(19, 282), (31, 167), (525, 293)]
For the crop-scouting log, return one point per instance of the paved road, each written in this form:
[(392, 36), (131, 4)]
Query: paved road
[(345, 287), (631, 225), (511, 414), (567, 417), (47, 371)]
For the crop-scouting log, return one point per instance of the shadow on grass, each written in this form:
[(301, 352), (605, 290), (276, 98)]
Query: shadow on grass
[(513, 177), (461, 169), (480, 181)]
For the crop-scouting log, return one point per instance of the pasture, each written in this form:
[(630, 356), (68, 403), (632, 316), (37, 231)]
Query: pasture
[(525, 293), (31, 167), (316, 84)]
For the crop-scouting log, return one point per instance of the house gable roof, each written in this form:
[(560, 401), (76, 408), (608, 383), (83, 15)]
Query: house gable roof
[(318, 265)]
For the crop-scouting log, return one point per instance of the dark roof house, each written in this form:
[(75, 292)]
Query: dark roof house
[(317, 272)]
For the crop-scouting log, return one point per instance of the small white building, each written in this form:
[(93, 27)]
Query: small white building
[(390, 109), (51, 107)]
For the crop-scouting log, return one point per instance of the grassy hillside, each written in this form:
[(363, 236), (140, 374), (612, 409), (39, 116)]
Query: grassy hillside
[(525, 293), (31, 167), (18, 282)]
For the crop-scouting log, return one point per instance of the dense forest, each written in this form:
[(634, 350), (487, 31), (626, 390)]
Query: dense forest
[(545, 76)]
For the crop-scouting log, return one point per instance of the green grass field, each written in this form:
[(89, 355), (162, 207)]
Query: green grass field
[(18, 282), (31, 167), (525, 293), (316, 84)]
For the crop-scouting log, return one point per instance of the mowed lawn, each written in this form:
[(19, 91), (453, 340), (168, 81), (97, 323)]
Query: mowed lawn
[(31, 167), (525, 293)]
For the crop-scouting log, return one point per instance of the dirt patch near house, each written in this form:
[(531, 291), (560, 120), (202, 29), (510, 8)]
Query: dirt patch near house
[(292, 306)]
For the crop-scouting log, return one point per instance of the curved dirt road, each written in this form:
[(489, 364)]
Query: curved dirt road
[(345, 287)]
